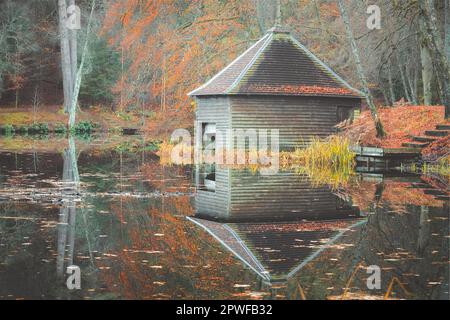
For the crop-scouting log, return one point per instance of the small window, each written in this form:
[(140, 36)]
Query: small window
[(345, 114), (209, 135), (207, 178)]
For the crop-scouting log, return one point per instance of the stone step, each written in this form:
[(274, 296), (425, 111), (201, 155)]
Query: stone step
[(415, 144), (437, 133), (443, 127), (435, 192), (424, 139), (420, 185)]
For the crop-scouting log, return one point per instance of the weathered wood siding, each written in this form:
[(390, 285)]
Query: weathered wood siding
[(284, 196), (214, 204), (299, 119), (213, 110)]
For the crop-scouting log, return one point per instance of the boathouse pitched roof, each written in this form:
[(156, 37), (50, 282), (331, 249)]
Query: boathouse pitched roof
[(277, 251), (277, 64)]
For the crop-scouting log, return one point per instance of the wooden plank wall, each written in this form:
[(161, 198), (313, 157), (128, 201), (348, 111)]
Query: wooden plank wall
[(213, 110), (299, 119)]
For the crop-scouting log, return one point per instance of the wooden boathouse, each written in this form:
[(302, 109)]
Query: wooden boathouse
[(276, 84)]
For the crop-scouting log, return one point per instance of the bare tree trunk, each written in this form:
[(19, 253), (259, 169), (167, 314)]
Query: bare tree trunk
[(447, 29), (391, 83), (412, 83), (278, 14), (361, 75), (318, 16), (427, 75), (73, 49), (74, 101), (436, 46), (405, 85), (424, 231), (65, 54), (427, 65), (264, 14), (386, 99)]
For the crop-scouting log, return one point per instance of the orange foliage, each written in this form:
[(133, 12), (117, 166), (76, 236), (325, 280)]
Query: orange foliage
[(394, 193), (400, 123), (169, 48), (166, 257), (437, 149)]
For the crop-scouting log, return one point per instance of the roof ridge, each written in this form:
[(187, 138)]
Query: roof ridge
[(327, 68), (251, 63), (229, 65)]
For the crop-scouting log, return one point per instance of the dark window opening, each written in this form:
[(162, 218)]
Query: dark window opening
[(345, 114), (207, 178)]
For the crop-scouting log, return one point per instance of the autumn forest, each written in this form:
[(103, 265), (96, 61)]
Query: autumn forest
[(224, 149)]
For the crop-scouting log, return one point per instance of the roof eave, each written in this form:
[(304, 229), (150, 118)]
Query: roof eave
[(277, 94)]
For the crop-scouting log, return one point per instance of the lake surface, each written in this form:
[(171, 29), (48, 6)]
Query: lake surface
[(141, 230)]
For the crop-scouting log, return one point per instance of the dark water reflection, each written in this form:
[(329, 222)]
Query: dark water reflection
[(139, 230)]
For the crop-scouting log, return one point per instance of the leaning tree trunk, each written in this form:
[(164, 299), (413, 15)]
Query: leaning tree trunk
[(361, 75), (65, 54)]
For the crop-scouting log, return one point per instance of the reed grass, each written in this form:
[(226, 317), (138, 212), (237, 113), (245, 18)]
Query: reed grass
[(440, 168), (326, 161)]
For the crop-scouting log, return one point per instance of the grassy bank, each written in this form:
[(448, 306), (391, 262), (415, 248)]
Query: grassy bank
[(53, 119)]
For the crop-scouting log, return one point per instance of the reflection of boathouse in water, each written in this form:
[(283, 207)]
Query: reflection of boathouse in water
[(275, 224), (227, 194)]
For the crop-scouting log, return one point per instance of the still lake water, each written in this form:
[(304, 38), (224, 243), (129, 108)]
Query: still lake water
[(140, 230)]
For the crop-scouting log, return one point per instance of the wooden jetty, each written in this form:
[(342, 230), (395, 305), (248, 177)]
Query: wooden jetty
[(372, 159)]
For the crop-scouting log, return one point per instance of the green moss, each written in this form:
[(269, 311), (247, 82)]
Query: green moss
[(83, 127), (8, 130), (60, 128), (38, 128)]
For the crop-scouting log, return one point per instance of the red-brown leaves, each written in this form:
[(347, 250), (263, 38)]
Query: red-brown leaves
[(300, 90), (400, 123)]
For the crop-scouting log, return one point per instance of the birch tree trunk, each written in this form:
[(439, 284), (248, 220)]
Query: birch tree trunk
[(76, 91), (65, 54), (361, 75), (73, 50)]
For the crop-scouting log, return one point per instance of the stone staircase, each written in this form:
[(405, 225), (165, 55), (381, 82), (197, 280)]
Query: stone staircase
[(420, 142)]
